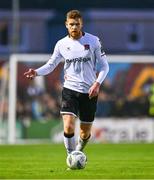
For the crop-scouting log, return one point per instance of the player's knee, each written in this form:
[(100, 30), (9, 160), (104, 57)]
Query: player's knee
[(69, 129), (84, 135)]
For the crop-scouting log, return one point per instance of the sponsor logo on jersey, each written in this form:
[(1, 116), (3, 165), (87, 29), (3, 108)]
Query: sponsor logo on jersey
[(79, 59)]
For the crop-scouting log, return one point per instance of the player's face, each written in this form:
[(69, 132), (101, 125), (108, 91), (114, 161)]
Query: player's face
[(74, 27)]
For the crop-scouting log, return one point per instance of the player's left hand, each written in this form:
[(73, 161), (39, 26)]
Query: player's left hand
[(94, 90)]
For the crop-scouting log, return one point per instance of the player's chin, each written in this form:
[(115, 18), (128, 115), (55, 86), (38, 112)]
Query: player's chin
[(75, 34)]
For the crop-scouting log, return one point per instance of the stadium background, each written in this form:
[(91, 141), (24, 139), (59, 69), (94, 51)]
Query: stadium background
[(123, 134), (126, 97)]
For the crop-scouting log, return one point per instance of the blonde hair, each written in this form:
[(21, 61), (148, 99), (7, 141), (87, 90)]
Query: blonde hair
[(73, 14)]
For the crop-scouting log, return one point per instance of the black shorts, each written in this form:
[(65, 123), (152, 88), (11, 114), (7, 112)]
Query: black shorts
[(78, 104)]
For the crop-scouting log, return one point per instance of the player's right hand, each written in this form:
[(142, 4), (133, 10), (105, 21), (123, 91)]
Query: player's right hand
[(30, 74), (94, 90)]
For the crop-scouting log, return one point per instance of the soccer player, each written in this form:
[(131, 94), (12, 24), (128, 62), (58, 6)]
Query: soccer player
[(80, 52)]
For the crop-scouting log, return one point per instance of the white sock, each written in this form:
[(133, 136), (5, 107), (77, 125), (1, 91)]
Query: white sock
[(69, 143), (82, 143)]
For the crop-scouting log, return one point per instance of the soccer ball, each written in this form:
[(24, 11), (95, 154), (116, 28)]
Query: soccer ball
[(76, 160)]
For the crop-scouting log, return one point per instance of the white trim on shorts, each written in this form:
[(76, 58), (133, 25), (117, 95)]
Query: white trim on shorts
[(84, 122), (65, 112), (81, 122)]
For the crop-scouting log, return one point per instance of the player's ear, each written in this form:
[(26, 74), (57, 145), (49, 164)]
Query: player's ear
[(66, 24), (81, 23)]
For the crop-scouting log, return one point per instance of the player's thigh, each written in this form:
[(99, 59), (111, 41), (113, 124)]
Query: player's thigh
[(69, 102), (87, 109)]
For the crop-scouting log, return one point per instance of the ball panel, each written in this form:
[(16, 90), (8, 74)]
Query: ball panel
[(76, 160)]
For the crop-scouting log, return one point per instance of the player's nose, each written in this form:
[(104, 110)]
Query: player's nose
[(74, 26)]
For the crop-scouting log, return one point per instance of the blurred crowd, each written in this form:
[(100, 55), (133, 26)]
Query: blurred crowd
[(112, 104), (40, 99)]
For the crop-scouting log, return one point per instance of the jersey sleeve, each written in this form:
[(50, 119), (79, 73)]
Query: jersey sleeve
[(52, 63), (102, 62)]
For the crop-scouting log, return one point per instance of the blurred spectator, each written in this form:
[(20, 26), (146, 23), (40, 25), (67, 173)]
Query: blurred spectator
[(105, 100), (52, 108), (37, 108), (35, 88), (56, 92), (151, 97)]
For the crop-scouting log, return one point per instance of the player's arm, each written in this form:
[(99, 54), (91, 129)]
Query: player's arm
[(102, 62), (104, 68), (47, 68)]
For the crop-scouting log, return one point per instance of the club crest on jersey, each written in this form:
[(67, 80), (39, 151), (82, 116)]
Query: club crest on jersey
[(68, 48), (86, 46)]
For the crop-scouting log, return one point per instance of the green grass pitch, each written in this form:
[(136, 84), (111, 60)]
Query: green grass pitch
[(105, 161)]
